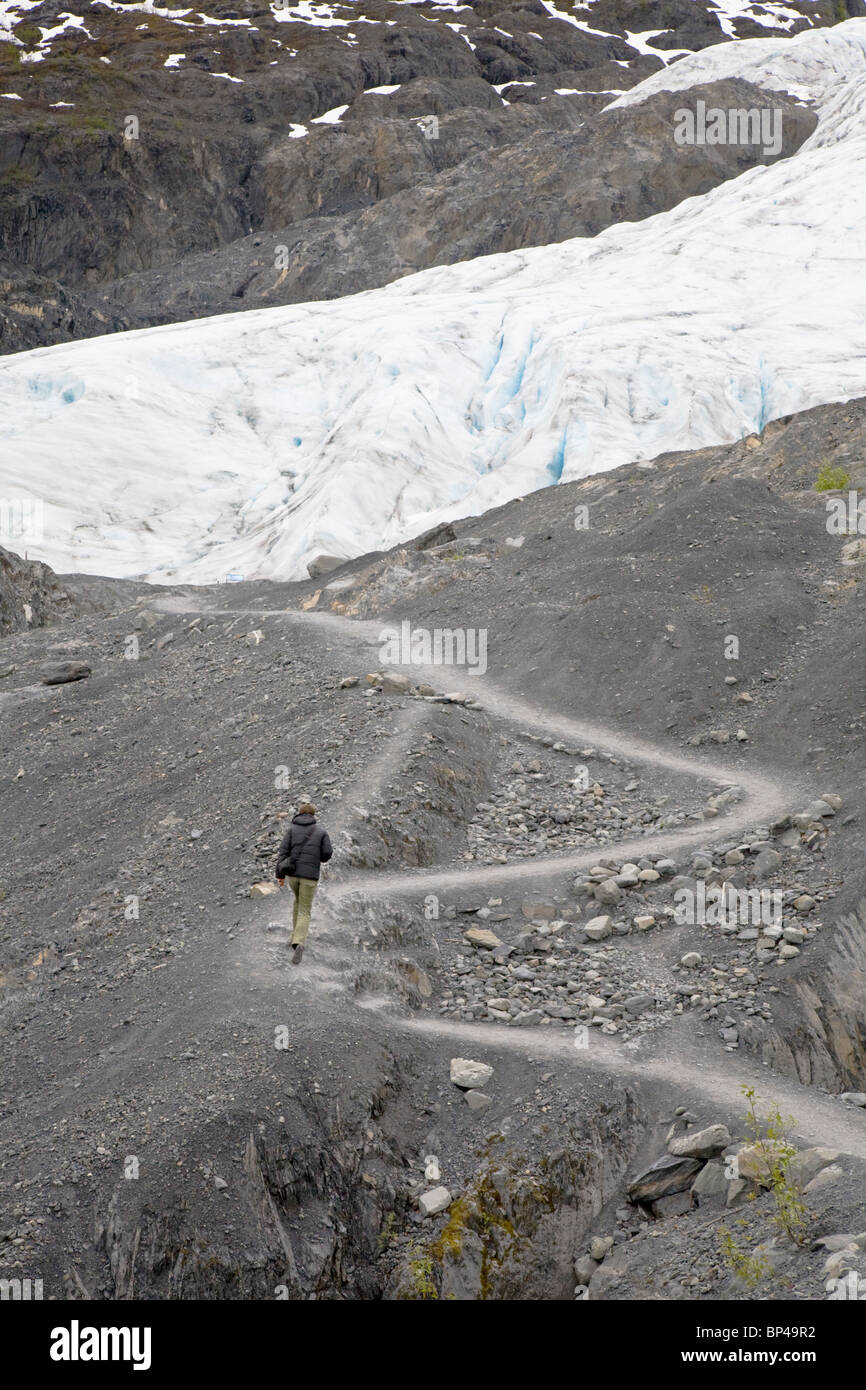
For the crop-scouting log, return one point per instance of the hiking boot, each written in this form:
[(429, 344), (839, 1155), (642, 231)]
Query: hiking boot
[(298, 954)]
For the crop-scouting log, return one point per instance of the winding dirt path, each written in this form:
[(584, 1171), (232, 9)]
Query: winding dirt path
[(683, 1062)]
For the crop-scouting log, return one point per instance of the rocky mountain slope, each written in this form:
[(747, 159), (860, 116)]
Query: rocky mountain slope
[(550, 186), (30, 594), (153, 157), (503, 892), (581, 1015), (246, 443)]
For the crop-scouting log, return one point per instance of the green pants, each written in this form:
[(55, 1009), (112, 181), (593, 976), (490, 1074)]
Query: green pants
[(304, 890)]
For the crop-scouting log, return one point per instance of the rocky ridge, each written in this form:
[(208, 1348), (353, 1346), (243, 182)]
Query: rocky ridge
[(178, 164)]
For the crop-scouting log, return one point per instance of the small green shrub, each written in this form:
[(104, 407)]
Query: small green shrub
[(10, 55), (15, 178), (421, 1272), (750, 1268), (770, 1136), (28, 34), (790, 1215), (831, 479), (387, 1233)]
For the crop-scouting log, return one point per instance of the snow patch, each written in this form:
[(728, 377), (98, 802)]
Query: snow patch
[(332, 117)]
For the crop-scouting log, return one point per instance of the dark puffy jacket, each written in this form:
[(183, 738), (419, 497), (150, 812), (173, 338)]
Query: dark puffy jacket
[(316, 851)]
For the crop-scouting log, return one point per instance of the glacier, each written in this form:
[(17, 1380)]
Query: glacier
[(250, 442)]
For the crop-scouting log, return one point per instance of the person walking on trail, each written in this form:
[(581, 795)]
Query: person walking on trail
[(304, 849)]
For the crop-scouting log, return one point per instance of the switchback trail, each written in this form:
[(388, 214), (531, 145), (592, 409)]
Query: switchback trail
[(691, 1066)]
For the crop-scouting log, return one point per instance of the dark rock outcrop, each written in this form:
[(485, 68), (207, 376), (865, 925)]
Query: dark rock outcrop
[(132, 192), (30, 593), (622, 165)]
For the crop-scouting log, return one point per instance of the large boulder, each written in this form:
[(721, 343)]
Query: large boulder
[(664, 1177), (323, 564), (700, 1143)]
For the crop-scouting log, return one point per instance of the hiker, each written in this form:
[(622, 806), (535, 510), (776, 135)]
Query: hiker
[(304, 849)]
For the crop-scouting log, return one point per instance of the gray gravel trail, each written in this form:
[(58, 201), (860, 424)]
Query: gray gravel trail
[(690, 1065)]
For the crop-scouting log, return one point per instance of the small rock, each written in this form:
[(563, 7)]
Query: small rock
[(795, 935), (469, 1075), (639, 1004), (64, 673), (431, 1203), (806, 1164), (323, 564), (394, 684), (263, 890), (711, 1181), (740, 1192), (676, 1204), (825, 1178), (599, 1246), (819, 810), (766, 863), (701, 1143), (833, 1243), (481, 937), (608, 892), (754, 1161), (597, 928), (535, 910), (477, 1101)]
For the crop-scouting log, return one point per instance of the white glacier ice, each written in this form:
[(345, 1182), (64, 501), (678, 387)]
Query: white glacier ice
[(250, 442)]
